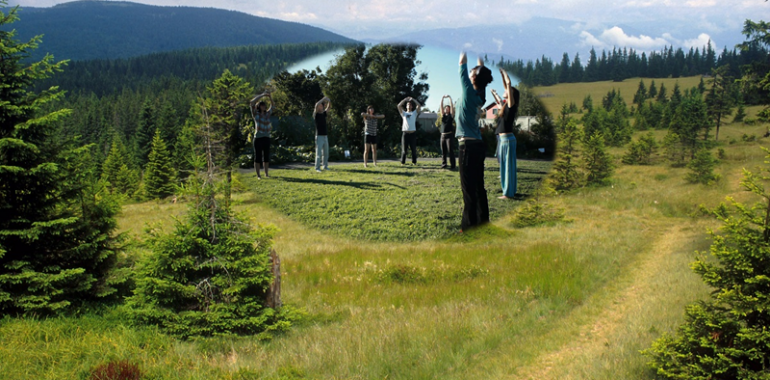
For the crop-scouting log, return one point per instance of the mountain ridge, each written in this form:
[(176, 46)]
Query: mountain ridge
[(87, 29)]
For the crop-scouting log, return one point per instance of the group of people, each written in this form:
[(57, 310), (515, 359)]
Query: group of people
[(461, 123)]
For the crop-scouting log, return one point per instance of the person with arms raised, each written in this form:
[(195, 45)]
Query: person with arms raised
[(321, 134), (472, 149), (261, 115)]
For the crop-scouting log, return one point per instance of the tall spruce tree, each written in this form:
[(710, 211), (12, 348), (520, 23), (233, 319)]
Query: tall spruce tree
[(115, 170), (597, 161), (142, 140), (57, 244), (159, 174), (226, 110), (566, 174), (718, 99)]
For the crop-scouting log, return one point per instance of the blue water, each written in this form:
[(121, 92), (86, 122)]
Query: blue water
[(440, 64)]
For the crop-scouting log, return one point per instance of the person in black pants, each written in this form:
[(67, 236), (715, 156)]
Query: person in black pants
[(472, 149), (409, 127), (447, 132)]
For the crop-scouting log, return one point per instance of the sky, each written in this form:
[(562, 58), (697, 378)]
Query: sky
[(594, 21), (373, 19)]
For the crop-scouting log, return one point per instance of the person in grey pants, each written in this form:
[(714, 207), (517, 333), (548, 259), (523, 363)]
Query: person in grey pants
[(321, 133)]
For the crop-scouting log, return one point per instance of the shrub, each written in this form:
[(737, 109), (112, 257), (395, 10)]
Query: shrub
[(642, 151), (702, 168), (535, 213), (726, 336)]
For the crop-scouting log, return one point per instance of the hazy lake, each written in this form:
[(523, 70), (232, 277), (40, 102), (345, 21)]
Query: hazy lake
[(440, 64)]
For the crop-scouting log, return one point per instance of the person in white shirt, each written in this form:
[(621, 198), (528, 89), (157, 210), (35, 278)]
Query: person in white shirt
[(409, 127)]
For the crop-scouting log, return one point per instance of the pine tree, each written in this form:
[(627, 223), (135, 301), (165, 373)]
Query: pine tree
[(597, 161), (115, 171), (159, 175), (228, 115), (57, 243), (642, 151), (565, 175), (726, 336), (702, 168), (144, 133), (213, 274), (653, 91), (641, 94), (662, 96), (718, 99), (689, 119), (740, 114)]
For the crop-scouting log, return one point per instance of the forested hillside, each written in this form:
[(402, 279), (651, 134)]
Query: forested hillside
[(128, 99), (84, 30)]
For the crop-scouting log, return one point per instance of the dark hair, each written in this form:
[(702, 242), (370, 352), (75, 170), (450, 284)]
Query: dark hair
[(483, 76), (260, 104)]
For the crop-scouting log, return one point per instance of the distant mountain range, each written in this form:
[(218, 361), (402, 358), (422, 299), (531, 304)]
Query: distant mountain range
[(84, 30), (550, 37)]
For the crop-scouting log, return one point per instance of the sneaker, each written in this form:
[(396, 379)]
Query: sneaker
[(326, 168), (258, 177), (318, 170), (443, 166)]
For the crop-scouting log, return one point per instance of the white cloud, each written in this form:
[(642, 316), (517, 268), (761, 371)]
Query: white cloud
[(499, 43), (701, 3), (617, 37), (702, 40), (590, 40)]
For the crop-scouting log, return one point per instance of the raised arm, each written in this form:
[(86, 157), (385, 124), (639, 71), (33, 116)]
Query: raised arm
[(465, 79), (497, 98), (321, 102), (256, 98), (418, 108), (509, 90), (451, 106), (400, 105), (270, 97)]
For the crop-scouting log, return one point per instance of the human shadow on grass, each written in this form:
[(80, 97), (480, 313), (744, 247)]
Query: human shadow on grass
[(358, 185), (375, 171), (530, 171)]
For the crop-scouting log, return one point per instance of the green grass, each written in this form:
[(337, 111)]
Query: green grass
[(571, 300), (389, 202)]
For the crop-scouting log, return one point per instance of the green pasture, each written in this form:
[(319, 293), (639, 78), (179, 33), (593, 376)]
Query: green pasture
[(389, 290)]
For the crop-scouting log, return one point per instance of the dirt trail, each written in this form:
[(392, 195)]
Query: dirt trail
[(637, 287)]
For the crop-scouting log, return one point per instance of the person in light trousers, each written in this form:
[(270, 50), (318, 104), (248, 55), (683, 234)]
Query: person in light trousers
[(321, 133)]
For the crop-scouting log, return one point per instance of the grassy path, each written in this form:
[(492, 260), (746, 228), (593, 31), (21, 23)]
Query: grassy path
[(601, 345)]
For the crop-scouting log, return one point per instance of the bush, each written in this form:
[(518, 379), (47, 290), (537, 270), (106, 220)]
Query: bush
[(535, 213), (208, 277), (642, 151), (726, 337), (702, 168)]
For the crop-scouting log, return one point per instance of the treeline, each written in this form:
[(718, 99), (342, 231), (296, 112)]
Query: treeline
[(130, 98), (255, 63), (620, 64)]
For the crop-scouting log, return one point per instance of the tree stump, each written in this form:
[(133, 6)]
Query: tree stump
[(274, 295)]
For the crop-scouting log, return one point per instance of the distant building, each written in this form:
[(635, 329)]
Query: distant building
[(427, 121), (525, 123)]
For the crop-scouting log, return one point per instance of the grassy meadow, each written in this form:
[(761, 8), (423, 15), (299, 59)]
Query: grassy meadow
[(389, 290)]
